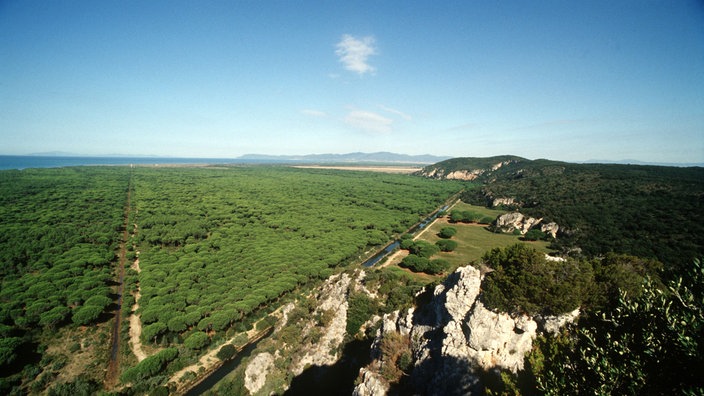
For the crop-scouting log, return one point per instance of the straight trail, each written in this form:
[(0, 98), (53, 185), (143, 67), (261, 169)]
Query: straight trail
[(113, 371)]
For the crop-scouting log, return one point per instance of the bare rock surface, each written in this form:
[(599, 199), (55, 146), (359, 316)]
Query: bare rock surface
[(454, 335), (256, 372), (333, 298)]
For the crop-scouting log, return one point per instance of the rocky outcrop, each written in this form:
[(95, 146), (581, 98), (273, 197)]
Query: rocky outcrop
[(371, 384), (503, 201), (332, 298), (553, 324), (550, 229), (510, 222), (454, 337), (256, 372), (464, 174), (470, 172)]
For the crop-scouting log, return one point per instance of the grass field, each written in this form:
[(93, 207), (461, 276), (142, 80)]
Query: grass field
[(473, 240)]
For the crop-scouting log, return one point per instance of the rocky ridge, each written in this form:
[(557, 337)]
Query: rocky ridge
[(453, 338), (439, 171)]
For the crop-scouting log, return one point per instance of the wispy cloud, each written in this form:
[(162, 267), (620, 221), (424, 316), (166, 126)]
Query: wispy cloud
[(369, 121), (396, 112), (354, 52), (314, 113)]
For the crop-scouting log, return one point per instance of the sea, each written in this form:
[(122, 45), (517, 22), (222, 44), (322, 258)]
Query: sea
[(32, 161)]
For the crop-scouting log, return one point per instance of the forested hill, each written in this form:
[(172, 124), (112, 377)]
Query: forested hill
[(648, 211)]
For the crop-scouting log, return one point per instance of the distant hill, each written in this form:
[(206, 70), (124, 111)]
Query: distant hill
[(378, 157), (644, 210)]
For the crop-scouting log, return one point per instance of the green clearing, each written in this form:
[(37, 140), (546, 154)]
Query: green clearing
[(473, 240)]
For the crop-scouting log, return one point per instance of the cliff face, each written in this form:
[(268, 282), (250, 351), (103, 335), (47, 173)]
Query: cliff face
[(468, 168), (453, 337)]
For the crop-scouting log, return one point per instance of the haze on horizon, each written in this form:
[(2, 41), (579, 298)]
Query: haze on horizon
[(564, 80)]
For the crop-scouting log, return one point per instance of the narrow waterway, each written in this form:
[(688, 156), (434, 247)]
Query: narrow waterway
[(395, 244), (211, 380)]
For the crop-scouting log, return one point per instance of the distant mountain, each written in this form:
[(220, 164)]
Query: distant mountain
[(379, 157)]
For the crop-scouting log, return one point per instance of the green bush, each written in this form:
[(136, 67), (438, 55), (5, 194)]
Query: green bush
[(524, 281), (446, 245), (650, 344), (360, 309), (150, 366), (196, 340), (227, 352), (447, 232)]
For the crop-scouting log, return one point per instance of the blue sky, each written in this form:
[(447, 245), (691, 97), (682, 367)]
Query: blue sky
[(564, 80)]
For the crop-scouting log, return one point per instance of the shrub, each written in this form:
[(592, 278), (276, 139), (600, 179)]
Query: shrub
[(361, 307), (150, 366), (447, 232), (446, 245), (226, 352), (196, 340)]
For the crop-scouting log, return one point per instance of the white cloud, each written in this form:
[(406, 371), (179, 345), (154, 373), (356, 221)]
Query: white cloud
[(369, 121), (353, 53), (396, 112), (314, 113)]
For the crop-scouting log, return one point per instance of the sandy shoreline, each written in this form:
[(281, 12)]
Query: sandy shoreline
[(377, 168)]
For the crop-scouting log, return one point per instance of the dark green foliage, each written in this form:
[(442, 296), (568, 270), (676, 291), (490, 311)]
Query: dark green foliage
[(423, 249), (447, 232), (534, 235), (446, 245), (616, 273), (79, 387), (360, 309), (647, 211), (152, 331), (523, 280), (59, 230), (395, 287), (651, 344), (196, 340), (468, 216), (224, 243), (9, 349), (86, 314), (422, 264), (150, 366), (227, 352)]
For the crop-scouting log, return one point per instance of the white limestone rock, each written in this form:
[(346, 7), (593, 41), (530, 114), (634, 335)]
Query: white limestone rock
[(256, 372)]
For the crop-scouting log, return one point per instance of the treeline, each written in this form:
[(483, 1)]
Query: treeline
[(59, 230), (646, 211)]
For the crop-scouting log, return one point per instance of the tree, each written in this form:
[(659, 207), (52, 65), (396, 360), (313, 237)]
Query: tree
[(534, 235), (196, 340), (447, 232), (226, 352), (86, 314), (150, 332), (650, 344), (446, 245)]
